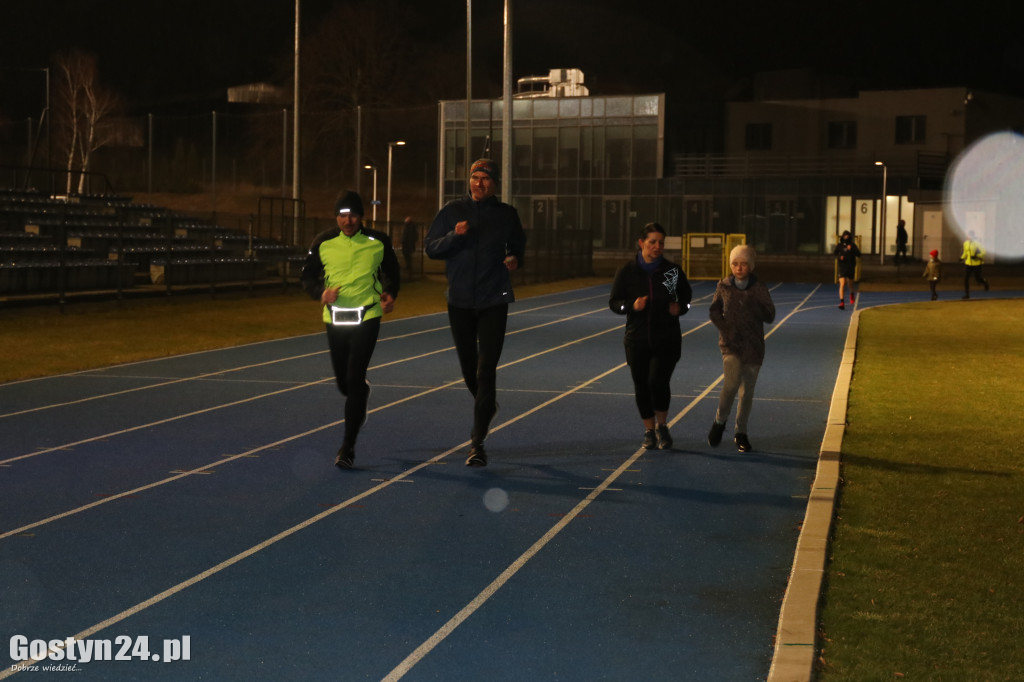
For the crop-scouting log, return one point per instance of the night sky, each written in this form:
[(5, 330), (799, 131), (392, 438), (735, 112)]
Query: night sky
[(155, 51)]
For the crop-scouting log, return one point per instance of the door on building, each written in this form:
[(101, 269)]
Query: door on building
[(615, 227), (931, 235), (864, 222), (780, 236), (542, 221), (697, 216), (542, 237)]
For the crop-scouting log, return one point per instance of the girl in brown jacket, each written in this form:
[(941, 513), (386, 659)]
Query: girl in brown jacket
[(739, 309)]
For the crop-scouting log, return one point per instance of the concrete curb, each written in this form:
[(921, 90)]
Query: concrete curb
[(796, 637)]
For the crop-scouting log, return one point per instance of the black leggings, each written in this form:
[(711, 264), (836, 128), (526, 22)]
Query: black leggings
[(975, 272), (479, 336), (351, 348), (652, 374)]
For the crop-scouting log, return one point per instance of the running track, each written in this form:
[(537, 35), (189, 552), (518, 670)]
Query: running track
[(195, 496)]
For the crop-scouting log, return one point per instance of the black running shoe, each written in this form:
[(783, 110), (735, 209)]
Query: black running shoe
[(650, 440), (664, 437), (715, 434), (346, 457), (477, 456), (742, 444)]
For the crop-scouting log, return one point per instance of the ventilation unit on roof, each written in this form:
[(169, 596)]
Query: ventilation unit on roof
[(558, 83)]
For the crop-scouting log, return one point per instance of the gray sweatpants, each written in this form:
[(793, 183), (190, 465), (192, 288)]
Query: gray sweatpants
[(738, 378)]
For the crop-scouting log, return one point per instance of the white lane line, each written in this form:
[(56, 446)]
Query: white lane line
[(269, 446), (469, 609), (141, 606), (473, 606), (157, 385), (198, 377), (194, 413)]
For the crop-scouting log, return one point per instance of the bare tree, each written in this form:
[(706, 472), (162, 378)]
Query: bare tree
[(360, 55), (83, 112)]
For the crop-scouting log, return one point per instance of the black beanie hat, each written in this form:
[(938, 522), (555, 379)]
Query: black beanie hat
[(348, 202)]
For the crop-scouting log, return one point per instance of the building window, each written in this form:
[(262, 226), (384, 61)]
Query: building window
[(842, 135), (759, 136), (910, 129)]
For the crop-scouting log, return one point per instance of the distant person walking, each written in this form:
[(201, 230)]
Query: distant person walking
[(901, 243), (933, 273), (410, 238), (354, 273), (973, 257), (652, 292), (481, 241), (846, 254), (740, 308)]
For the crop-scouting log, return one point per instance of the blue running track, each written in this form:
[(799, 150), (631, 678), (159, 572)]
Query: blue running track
[(187, 508)]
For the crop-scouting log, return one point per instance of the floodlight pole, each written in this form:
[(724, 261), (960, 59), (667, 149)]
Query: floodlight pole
[(881, 227), (375, 202), (295, 134), (387, 216), (506, 114), (469, 87)]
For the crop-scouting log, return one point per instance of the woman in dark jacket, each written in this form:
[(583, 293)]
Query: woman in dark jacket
[(652, 293)]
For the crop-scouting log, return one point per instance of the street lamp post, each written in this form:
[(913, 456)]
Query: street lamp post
[(374, 201), (387, 216), (44, 118), (881, 228)]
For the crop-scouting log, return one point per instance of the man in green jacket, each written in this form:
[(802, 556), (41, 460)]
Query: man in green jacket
[(973, 258), (354, 273)]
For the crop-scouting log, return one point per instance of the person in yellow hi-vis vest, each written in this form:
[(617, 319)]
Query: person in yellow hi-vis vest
[(354, 273), (973, 258)]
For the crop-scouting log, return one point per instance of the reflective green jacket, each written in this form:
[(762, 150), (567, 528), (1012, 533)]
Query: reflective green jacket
[(363, 266), (973, 253)]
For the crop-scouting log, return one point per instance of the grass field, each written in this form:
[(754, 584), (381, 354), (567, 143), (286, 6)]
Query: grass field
[(928, 546), (927, 554)]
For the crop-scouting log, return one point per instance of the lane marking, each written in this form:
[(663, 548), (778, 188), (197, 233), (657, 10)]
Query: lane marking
[(468, 610), (161, 384), (273, 445), (186, 415), (426, 647), (227, 563), (225, 459)]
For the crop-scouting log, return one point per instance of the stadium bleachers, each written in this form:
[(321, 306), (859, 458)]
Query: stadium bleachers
[(56, 244)]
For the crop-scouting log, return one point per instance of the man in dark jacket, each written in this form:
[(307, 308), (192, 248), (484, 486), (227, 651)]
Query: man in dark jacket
[(481, 241)]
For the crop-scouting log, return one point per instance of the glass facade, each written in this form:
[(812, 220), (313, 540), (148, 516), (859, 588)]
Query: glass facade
[(587, 172)]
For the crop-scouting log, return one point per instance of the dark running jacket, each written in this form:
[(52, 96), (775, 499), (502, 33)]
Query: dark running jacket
[(475, 261), (740, 316), (653, 327)]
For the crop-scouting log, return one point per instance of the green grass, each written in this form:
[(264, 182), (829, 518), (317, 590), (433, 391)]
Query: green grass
[(926, 579)]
